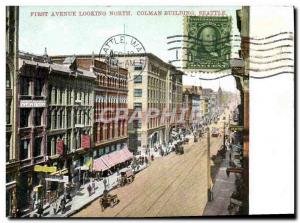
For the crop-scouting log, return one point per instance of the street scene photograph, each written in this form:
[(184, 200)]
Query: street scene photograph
[(133, 112)]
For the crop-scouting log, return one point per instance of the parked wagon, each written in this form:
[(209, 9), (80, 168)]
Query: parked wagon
[(127, 177), (108, 200)]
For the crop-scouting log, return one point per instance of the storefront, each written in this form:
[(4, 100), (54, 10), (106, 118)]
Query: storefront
[(10, 198), (11, 190), (156, 138), (112, 161), (43, 190)]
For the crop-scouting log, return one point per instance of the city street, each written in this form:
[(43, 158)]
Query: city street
[(128, 133), (174, 185)]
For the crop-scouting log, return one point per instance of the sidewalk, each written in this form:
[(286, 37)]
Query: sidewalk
[(82, 198), (222, 190)]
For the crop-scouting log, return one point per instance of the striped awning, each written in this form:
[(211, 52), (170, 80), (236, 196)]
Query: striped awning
[(99, 165), (109, 160)]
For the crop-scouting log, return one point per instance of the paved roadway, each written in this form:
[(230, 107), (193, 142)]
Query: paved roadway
[(174, 185)]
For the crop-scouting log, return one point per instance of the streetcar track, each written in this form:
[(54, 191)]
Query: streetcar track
[(153, 193), (143, 202), (188, 176), (175, 164), (182, 173), (181, 182)]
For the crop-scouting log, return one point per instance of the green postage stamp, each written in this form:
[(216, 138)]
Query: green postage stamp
[(207, 46)]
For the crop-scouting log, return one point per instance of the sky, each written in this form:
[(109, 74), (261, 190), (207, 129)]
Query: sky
[(68, 35)]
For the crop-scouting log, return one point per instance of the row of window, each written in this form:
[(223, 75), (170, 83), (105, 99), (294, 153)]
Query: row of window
[(68, 96), (70, 141), (31, 87), (111, 81), (154, 122), (25, 145), (156, 94), (157, 70), (157, 105), (59, 119), (111, 131), (108, 149), (156, 83), (31, 117)]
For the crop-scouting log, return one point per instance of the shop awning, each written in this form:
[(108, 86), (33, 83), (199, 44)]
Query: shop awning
[(99, 165), (126, 154), (115, 158), (129, 154), (107, 160)]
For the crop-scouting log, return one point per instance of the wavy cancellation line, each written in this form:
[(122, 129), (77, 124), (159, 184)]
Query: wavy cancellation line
[(238, 36), (194, 40), (250, 61), (270, 68), (236, 46), (251, 76)]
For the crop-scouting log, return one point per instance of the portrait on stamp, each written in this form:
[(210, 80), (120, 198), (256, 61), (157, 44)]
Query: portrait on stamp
[(208, 38), (208, 42)]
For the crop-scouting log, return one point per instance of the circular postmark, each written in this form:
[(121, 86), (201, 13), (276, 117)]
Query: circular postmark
[(125, 51)]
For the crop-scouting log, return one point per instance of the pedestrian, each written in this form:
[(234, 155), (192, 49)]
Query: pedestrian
[(105, 183), (93, 185), (63, 205), (40, 210), (89, 188)]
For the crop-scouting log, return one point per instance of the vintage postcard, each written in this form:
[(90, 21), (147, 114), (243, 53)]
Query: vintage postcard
[(145, 111)]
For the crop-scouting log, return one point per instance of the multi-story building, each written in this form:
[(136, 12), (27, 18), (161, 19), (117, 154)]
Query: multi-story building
[(206, 103), (154, 84), (12, 158), (70, 118), (110, 110), (187, 107), (55, 110), (110, 125), (194, 115), (174, 105), (31, 122)]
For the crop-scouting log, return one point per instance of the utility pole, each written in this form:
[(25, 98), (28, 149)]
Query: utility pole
[(229, 132), (224, 135), (209, 181)]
